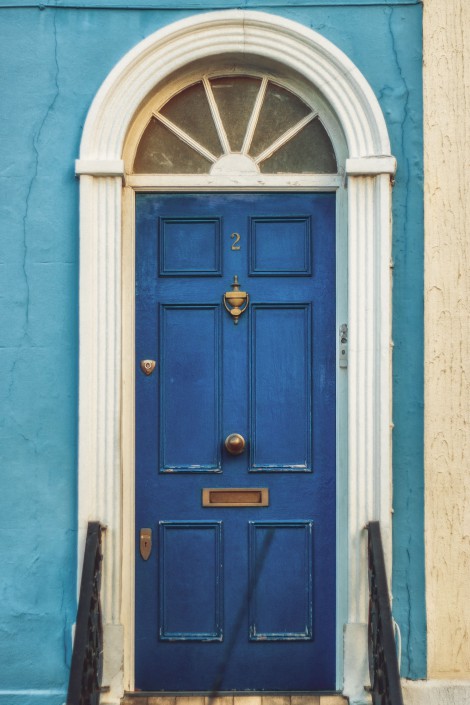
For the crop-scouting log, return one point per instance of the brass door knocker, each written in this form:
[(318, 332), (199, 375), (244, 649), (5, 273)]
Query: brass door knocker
[(235, 299)]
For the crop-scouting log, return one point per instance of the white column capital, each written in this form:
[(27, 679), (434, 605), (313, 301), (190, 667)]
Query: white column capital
[(99, 167)]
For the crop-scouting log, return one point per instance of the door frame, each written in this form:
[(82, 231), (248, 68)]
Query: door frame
[(106, 358)]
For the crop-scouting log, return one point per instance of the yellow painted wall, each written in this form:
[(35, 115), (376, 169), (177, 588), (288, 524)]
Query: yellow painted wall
[(447, 334)]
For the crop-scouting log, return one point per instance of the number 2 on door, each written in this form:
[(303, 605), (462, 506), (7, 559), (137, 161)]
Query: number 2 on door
[(235, 245)]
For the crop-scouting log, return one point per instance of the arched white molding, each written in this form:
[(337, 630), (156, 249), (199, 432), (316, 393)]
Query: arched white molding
[(234, 32), (100, 167)]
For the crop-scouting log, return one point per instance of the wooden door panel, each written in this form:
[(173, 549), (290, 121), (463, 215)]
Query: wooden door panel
[(190, 389), (280, 387), (281, 573), (190, 584)]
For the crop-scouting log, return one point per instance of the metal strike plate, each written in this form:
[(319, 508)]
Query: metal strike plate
[(145, 543), (343, 345), (147, 366), (235, 497)]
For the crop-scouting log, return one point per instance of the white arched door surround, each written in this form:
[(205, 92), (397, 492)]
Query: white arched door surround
[(106, 443)]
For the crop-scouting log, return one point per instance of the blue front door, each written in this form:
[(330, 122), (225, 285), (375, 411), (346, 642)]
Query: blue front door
[(238, 597)]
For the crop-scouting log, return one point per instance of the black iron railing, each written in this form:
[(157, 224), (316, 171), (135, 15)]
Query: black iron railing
[(383, 661), (87, 656)]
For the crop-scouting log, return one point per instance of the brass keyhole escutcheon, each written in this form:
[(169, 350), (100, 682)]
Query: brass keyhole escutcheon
[(235, 444), (145, 543), (147, 366)]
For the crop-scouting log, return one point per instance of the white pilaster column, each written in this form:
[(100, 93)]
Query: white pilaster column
[(369, 403), (99, 453)]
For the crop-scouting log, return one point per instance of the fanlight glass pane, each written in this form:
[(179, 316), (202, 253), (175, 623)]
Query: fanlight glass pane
[(162, 152), (310, 151), (271, 127), (235, 97), (281, 110), (190, 111)]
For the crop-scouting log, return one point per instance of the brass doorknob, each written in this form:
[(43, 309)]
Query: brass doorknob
[(235, 444)]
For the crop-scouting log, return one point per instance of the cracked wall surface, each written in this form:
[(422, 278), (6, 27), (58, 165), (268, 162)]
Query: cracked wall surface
[(447, 287), (53, 62)]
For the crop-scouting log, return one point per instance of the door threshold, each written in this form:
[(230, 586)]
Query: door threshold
[(225, 693), (229, 697)]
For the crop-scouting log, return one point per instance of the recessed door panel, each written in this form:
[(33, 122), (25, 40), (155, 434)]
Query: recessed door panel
[(189, 247), (280, 388), (281, 575), (190, 388), (281, 246), (190, 585), (235, 442)]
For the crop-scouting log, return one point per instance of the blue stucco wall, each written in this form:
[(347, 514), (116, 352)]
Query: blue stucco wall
[(53, 62)]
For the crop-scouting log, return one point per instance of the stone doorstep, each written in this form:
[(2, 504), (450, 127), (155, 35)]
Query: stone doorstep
[(131, 699)]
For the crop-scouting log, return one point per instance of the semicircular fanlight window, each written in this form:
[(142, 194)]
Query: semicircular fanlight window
[(262, 125)]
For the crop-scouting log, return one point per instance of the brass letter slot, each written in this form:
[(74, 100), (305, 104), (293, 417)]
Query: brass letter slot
[(235, 497)]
